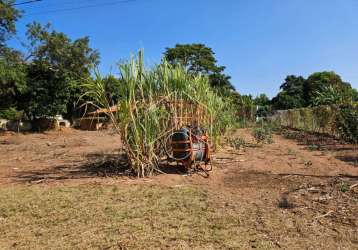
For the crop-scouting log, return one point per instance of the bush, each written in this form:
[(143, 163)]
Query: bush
[(347, 123), (10, 114), (343, 187), (237, 143), (263, 134)]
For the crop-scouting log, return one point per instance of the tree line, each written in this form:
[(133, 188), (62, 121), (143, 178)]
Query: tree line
[(320, 88), (47, 78)]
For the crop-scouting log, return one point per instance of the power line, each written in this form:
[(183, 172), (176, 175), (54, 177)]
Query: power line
[(58, 4), (27, 2), (80, 7)]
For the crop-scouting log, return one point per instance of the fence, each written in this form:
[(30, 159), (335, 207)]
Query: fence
[(320, 119)]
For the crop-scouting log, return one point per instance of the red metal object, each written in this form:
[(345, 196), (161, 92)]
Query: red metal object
[(189, 119), (197, 148)]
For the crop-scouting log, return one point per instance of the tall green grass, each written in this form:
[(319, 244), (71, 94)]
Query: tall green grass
[(144, 119)]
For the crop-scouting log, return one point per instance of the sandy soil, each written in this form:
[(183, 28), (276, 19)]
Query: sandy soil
[(298, 198)]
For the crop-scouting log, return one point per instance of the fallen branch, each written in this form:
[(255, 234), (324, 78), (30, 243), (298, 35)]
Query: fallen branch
[(223, 158), (235, 153), (224, 162), (37, 181), (324, 215), (313, 190), (353, 186)]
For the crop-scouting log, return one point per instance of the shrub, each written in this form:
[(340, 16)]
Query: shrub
[(237, 143), (263, 134), (347, 123), (343, 187), (10, 114)]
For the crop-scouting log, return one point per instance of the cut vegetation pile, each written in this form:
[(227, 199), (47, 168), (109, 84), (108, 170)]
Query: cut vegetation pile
[(145, 117)]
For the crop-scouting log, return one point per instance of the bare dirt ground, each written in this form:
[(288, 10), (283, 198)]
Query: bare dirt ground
[(283, 193), (55, 156)]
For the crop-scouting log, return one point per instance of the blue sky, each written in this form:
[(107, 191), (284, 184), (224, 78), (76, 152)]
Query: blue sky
[(259, 41)]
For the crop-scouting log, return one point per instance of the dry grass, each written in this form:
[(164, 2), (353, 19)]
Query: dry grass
[(110, 217)]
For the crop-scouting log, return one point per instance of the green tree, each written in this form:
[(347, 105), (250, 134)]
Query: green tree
[(8, 17), (330, 95), (294, 85), (319, 88), (197, 58), (112, 89), (57, 68), (326, 81), (291, 93), (12, 84), (286, 101), (262, 100), (12, 70), (264, 105)]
